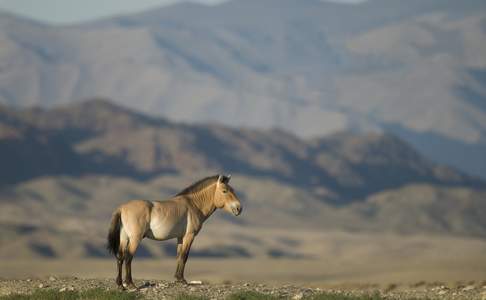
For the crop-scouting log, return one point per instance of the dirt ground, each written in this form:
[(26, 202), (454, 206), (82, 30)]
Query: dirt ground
[(311, 272)]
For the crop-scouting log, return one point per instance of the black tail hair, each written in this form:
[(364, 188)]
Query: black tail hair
[(113, 238)]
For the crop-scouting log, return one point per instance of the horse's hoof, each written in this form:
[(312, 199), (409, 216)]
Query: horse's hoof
[(120, 285), (181, 281)]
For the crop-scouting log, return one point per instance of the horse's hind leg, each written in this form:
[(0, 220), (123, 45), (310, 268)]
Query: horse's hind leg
[(132, 248), (121, 257), (135, 216), (128, 271), (119, 264)]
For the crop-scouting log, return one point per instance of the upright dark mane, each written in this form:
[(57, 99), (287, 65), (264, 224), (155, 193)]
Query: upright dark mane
[(198, 185)]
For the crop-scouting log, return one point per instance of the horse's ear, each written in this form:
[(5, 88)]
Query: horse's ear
[(220, 178), (228, 177)]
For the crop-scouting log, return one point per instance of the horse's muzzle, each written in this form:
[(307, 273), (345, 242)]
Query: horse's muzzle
[(236, 209)]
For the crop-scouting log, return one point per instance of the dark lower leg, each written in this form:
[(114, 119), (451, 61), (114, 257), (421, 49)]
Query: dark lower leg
[(179, 275), (119, 263), (181, 265), (128, 272), (182, 255)]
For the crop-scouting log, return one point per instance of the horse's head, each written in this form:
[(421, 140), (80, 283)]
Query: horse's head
[(225, 197)]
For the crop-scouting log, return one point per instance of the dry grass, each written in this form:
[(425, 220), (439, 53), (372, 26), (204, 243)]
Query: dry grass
[(99, 294), (94, 294)]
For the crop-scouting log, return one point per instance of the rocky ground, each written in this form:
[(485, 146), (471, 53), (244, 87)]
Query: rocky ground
[(154, 289)]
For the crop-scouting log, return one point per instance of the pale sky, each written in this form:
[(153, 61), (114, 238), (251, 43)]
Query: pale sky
[(73, 11)]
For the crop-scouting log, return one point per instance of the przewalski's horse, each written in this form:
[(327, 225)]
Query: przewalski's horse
[(180, 217)]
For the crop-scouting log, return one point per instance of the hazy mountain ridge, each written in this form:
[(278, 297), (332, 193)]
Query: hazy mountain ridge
[(412, 68), (97, 137)]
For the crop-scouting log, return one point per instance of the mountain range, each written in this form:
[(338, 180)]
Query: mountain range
[(414, 68), (99, 138)]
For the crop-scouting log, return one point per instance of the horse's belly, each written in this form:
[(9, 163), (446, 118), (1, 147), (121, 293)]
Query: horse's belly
[(164, 230)]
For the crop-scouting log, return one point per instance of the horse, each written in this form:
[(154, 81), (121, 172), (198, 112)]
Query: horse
[(181, 217)]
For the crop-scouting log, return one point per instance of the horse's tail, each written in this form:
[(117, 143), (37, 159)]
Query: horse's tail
[(113, 238)]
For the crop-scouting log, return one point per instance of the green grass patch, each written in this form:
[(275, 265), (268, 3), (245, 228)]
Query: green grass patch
[(250, 295), (189, 297), (100, 294), (330, 296), (93, 294)]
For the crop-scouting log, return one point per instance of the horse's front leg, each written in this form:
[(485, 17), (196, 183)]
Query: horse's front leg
[(183, 248)]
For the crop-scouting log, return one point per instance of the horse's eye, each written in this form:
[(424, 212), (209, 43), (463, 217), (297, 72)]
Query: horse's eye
[(225, 191)]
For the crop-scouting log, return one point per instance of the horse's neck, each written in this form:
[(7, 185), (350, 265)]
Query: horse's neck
[(204, 201)]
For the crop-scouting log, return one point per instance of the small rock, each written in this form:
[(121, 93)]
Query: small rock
[(442, 292), (41, 286), (246, 284), (29, 280), (298, 296), (63, 289), (52, 278), (195, 282), (468, 288)]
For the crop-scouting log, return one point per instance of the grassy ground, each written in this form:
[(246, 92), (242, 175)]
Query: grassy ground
[(94, 294), (100, 294), (322, 296)]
